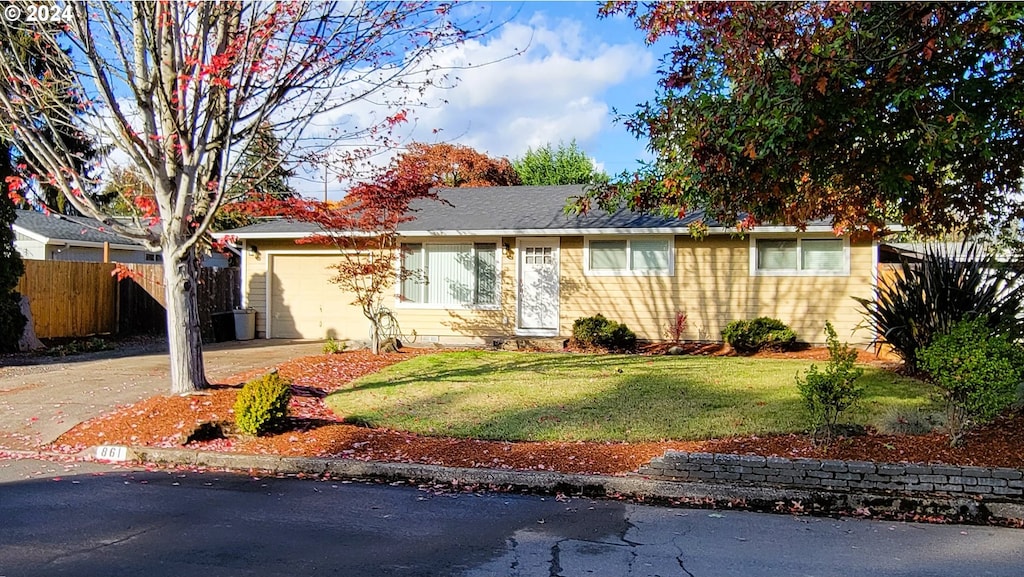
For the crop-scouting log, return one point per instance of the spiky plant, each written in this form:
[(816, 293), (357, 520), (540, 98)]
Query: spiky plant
[(927, 297)]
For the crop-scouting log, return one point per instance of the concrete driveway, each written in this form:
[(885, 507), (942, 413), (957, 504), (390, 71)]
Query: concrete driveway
[(40, 402)]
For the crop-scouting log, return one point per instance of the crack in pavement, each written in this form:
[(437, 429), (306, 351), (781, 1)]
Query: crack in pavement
[(679, 559), (556, 561), (514, 566), (682, 553), (101, 545), (622, 537)]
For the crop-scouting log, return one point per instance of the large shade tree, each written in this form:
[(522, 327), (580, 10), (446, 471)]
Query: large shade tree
[(860, 112), (454, 166), (181, 89), (549, 166)]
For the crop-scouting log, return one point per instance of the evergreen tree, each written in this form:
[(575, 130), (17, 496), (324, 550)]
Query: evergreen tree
[(12, 322), (548, 166), (259, 176), (23, 44)]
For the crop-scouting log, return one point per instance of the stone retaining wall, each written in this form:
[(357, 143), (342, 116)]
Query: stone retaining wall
[(837, 475)]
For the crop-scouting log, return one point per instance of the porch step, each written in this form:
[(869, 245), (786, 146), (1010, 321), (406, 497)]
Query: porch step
[(531, 344)]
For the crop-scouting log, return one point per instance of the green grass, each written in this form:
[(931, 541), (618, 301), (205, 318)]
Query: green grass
[(545, 396)]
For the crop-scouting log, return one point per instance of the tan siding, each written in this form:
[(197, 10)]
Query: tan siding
[(451, 326), (307, 305), (713, 286)]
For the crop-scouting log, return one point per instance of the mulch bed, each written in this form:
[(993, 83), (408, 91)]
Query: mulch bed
[(313, 430)]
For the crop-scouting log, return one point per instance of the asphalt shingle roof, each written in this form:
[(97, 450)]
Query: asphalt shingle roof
[(499, 208), (68, 229)]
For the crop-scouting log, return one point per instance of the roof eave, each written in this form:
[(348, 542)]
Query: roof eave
[(542, 232), (31, 234)]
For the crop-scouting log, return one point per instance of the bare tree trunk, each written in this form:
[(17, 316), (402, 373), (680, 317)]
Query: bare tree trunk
[(183, 334), (374, 329)]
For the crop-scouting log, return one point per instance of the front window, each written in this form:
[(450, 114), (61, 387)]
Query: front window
[(632, 256), (802, 256), (450, 275)]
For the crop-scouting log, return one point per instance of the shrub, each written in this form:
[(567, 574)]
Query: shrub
[(333, 347), (904, 421), (927, 298), (586, 331), (827, 394), (598, 331), (762, 333), (677, 327), (77, 347), (619, 338), (262, 403), (979, 372)]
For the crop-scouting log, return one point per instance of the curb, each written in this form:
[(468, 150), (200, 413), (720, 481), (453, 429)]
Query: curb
[(929, 508)]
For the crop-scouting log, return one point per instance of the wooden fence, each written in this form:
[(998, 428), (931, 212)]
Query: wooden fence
[(70, 299), (77, 299)]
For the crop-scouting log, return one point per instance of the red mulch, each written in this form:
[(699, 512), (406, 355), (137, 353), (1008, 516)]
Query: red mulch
[(313, 430)]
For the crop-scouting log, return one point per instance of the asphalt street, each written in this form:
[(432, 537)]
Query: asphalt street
[(87, 519)]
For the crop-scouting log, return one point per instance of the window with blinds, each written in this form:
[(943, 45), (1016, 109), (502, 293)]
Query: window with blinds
[(801, 256), (450, 275), (639, 256)]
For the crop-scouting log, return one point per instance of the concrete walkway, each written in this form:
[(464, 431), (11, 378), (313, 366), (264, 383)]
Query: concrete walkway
[(40, 402)]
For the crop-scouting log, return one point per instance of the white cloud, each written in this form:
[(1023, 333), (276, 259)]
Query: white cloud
[(551, 92), (545, 82)]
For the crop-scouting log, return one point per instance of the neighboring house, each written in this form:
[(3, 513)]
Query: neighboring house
[(503, 262), (40, 236)]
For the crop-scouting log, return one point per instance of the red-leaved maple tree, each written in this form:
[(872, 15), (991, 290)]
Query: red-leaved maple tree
[(455, 166), (363, 227), (181, 90)]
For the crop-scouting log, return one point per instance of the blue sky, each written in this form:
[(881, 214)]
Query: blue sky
[(573, 71)]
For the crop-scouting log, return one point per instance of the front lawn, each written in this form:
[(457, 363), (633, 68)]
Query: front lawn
[(546, 396)]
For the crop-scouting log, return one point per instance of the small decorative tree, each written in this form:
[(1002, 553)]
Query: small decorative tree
[(364, 228), (677, 328), (827, 394)]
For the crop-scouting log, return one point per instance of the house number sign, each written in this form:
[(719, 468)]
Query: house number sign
[(112, 453)]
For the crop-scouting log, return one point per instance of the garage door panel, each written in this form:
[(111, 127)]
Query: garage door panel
[(306, 305)]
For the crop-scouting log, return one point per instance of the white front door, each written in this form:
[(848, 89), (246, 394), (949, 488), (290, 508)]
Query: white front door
[(538, 287)]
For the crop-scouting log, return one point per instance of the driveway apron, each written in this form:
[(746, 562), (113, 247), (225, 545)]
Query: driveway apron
[(40, 402)]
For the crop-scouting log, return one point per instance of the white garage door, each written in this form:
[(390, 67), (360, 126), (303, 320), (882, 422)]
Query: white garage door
[(304, 303)]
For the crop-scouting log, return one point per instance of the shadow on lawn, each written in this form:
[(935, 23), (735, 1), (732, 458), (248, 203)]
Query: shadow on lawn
[(632, 409), (635, 405), (440, 370)]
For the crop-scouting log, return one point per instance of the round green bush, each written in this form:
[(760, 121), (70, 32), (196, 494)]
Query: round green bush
[(979, 372), (762, 333), (262, 403), (598, 331)]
